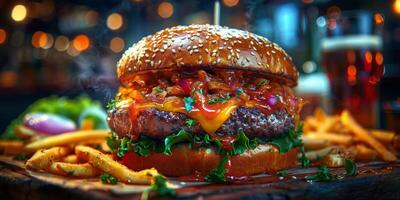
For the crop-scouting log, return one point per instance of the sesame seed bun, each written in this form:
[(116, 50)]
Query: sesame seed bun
[(207, 47)]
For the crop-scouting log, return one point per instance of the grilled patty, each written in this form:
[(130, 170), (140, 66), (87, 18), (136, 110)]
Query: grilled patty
[(159, 124)]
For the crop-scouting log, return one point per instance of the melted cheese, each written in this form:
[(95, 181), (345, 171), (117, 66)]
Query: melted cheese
[(209, 124)]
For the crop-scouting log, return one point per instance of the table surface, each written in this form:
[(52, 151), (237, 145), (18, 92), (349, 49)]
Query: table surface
[(375, 181)]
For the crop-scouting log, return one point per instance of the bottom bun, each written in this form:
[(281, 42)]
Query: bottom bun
[(185, 161)]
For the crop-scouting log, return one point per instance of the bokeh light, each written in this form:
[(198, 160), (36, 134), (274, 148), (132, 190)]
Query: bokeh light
[(72, 51), (117, 44), (81, 42), (165, 9), (368, 57), (19, 13), (396, 6), (3, 35), (8, 79), (231, 3), (49, 41), (114, 21), (379, 58), (378, 18), (62, 43), (39, 39), (91, 18)]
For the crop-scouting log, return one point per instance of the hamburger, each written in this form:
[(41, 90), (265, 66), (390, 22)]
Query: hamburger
[(206, 100)]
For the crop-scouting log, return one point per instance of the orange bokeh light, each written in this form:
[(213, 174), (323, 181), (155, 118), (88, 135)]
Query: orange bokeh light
[(351, 56), (3, 36), (115, 21), (117, 44), (396, 6), (8, 79), (165, 10), (378, 18), (81, 42), (351, 73), (379, 58), (39, 39), (368, 57), (231, 3)]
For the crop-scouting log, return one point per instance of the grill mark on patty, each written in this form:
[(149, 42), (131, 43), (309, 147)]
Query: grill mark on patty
[(159, 124)]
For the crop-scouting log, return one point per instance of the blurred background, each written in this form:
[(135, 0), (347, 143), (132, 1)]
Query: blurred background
[(70, 47)]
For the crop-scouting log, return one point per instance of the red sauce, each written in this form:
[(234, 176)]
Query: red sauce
[(227, 142)]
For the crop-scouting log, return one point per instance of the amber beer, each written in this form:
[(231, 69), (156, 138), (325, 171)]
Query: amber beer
[(354, 65)]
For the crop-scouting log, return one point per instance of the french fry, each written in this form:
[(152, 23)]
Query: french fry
[(320, 114), (384, 136), (11, 147), (363, 135), (310, 123), (314, 155), (331, 137), (328, 124), (334, 160), (67, 138), (121, 172), (365, 154), (84, 170), (44, 158), (312, 143), (70, 159)]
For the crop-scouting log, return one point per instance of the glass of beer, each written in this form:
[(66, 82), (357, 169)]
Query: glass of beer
[(351, 49)]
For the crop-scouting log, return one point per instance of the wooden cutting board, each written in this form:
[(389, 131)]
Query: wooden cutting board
[(375, 181)]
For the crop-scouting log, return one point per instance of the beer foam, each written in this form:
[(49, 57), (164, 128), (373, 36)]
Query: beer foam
[(351, 42)]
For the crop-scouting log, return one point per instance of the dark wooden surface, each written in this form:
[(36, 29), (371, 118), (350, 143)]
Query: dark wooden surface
[(376, 181)]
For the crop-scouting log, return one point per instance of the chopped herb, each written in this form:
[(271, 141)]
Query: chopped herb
[(323, 174), (217, 175), (181, 136), (351, 167), (20, 156), (241, 143), (158, 90), (159, 187), (208, 141), (200, 91), (262, 82), (123, 147), (145, 146), (219, 100), (189, 101), (289, 141), (304, 161), (190, 122), (282, 173), (111, 142), (239, 91), (108, 179)]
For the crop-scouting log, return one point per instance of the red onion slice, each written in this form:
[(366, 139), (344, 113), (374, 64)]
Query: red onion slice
[(48, 124)]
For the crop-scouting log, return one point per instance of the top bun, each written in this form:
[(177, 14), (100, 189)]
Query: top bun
[(207, 47)]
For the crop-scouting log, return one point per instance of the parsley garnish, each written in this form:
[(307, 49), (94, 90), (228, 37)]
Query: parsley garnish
[(159, 187), (189, 101), (282, 173), (241, 143), (239, 91), (158, 90), (219, 100), (111, 141), (181, 136), (145, 146), (323, 174), (113, 103), (190, 122), (20, 156), (262, 82), (289, 141), (351, 167), (200, 91), (108, 179), (304, 161), (123, 147), (217, 175)]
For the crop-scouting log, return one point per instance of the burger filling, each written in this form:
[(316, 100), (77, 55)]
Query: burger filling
[(217, 108)]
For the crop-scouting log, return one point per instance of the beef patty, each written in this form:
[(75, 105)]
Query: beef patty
[(159, 124)]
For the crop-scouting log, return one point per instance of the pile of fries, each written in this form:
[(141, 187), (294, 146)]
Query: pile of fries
[(331, 139), (79, 154)]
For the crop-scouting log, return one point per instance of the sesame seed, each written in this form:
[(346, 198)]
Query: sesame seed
[(237, 50), (173, 51), (252, 53), (206, 50), (273, 51), (247, 59)]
